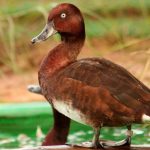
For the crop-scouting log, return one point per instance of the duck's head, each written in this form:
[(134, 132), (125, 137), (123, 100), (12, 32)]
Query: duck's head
[(65, 19)]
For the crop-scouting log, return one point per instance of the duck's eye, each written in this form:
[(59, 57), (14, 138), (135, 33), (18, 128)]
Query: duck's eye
[(63, 15)]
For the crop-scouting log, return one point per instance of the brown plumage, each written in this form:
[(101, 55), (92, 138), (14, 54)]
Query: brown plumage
[(93, 91)]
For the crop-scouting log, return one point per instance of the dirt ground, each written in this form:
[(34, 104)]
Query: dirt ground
[(13, 88)]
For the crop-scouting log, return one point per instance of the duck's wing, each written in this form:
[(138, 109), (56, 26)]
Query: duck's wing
[(84, 96), (114, 79)]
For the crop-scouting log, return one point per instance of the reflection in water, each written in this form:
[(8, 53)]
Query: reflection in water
[(141, 136)]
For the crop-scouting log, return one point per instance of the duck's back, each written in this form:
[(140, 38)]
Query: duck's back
[(99, 82)]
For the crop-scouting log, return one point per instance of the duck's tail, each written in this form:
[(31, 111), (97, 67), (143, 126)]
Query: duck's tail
[(145, 119), (34, 89)]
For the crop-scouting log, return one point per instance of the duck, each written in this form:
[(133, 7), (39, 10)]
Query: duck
[(92, 91)]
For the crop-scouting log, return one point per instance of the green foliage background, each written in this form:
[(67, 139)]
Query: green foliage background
[(21, 20)]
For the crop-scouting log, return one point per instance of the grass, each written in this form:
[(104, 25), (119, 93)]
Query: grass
[(122, 27), (21, 20)]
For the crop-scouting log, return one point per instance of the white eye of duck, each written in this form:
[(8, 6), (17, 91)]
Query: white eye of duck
[(63, 15)]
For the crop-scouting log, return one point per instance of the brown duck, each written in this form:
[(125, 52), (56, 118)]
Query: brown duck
[(91, 91)]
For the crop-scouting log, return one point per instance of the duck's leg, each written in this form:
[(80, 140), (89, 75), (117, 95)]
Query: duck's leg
[(58, 134), (129, 134), (125, 142), (95, 142), (34, 89)]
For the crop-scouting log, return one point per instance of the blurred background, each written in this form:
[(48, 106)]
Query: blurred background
[(115, 29)]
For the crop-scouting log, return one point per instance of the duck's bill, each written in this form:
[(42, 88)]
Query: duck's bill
[(46, 32)]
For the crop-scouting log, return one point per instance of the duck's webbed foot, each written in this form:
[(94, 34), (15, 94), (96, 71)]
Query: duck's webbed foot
[(34, 89), (95, 144), (125, 142), (89, 145)]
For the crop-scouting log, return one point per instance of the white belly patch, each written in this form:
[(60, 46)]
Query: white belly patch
[(69, 111)]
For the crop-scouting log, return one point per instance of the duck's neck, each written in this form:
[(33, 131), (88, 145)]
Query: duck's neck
[(62, 55)]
